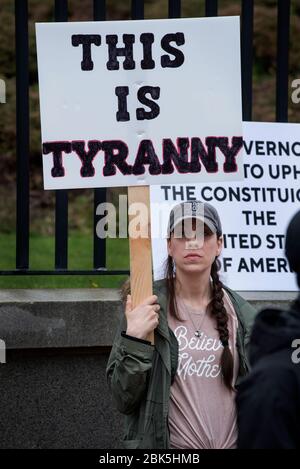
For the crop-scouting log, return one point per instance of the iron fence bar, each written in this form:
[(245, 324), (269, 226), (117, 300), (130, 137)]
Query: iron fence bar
[(247, 17), (282, 72), (174, 8), (137, 9), (211, 7), (99, 10), (100, 194), (61, 196)]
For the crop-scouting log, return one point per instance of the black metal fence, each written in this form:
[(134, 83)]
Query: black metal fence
[(23, 128)]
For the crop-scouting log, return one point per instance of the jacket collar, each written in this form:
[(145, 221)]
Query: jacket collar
[(162, 340), (160, 289)]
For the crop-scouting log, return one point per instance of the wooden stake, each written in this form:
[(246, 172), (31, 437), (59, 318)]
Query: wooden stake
[(140, 252)]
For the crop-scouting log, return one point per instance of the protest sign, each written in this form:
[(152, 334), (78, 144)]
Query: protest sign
[(128, 103), (254, 213)]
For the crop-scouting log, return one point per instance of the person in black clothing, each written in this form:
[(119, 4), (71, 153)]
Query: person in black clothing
[(268, 399)]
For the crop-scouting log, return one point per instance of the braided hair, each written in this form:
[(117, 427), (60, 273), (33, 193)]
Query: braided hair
[(218, 311)]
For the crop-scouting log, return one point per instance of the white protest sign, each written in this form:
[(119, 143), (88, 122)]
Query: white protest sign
[(128, 103), (254, 213)]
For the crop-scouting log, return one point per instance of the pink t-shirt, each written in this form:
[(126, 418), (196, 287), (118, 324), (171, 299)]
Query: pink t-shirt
[(202, 411)]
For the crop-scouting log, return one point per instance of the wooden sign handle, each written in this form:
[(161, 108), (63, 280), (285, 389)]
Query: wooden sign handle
[(140, 251)]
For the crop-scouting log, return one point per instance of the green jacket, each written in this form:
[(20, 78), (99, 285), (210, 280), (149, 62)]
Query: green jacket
[(140, 375)]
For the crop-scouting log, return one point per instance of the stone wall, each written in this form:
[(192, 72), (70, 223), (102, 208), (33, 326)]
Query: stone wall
[(53, 388)]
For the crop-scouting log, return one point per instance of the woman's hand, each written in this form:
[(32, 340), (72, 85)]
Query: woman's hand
[(142, 319)]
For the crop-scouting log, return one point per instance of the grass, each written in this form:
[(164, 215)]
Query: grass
[(80, 256)]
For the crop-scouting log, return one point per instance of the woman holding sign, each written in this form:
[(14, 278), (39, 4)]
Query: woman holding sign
[(180, 393)]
